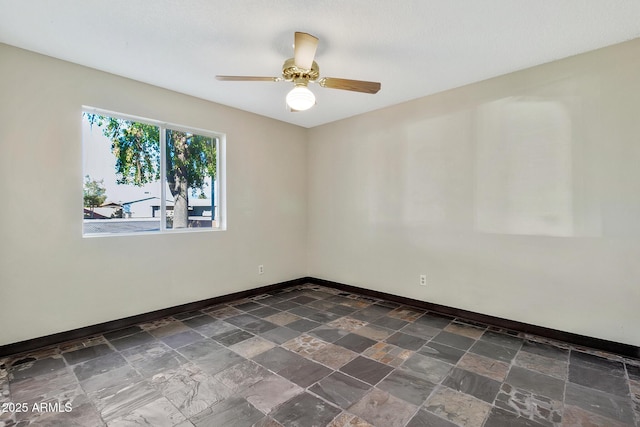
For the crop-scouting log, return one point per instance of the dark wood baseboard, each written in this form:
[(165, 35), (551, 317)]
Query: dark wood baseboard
[(626, 350), (101, 328)]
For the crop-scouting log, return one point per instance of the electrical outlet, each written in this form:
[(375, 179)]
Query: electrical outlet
[(261, 269), (423, 280)]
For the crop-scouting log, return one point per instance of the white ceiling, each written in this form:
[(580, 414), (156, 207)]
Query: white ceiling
[(413, 47)]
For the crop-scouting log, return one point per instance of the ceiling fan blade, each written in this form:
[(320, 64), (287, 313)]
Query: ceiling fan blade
[(248, 79), (353, 85), (304, 50)]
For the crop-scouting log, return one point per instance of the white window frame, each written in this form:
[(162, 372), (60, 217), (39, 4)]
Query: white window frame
[(219, 214)]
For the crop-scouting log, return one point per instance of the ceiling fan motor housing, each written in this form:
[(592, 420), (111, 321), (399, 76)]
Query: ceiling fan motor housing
[(290, 72)]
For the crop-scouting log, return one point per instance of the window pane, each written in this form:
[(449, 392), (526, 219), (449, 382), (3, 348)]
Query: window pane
[(121, 170), (190, 180)]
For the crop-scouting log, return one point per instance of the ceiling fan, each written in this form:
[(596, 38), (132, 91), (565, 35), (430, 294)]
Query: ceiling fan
[(301, 70)]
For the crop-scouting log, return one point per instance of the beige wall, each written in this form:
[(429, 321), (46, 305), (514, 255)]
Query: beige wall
[(52, 280), (518, 197)]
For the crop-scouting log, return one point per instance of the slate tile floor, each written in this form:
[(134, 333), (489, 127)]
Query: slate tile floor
[(315, 356)]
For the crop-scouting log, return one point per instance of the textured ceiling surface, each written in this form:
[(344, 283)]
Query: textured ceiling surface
[(413, 47)]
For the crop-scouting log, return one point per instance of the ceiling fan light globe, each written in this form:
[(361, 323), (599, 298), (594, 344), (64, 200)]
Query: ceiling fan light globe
[(300, 98)]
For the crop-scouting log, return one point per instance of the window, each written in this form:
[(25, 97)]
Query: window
[(141, 175)]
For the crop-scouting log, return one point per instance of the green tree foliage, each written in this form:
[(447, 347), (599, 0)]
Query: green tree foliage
[(189, 160), (94, 193)]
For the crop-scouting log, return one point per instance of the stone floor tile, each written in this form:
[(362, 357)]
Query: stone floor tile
[(264, 312), (424, 418), (442, 352), (407, 387), (340, 389), (114, 378), (420, 330), (434, 320), (159, 413), (252, 347), (599, 380), (355, 342), (333, 356), (280, 335), (598, 402), (270, 392), (388, 354), (199, 321), (592, 361), (304, 372), (87, 353), (406, 313), (304, 345), (241, 375), (152, 365), (453, 340), (574, 416), (501, 418), (323, 316), (285, 305), (43, 387), (232, 337), (542, 410), (493, 351), (366, 370), (224, 312), (267, 422), (486, 366), (234, 411), (546, 350), (116, 403), (36, 367), (535, 382), (502, 340), (124, 332), (321, 305), (377, 333), (303, 325), (99, 365), (544, 365), (371, 313), (347, 323), (348, 420), (341, 310), (181, 338), (217, 327), (390, 323), (167, 329), (277, 359), (218, 360), (82, 413), (132, 340), (247, 305), (476, 385), (383, 409), (464, 330), (303, 311), (328, 334), (427, 368), (190, 389), (250, 323), (459, 408), (305, 410), (282, 318), (406, 341)]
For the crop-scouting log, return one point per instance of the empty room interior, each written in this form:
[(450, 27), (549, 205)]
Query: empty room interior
[(447, 235)]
